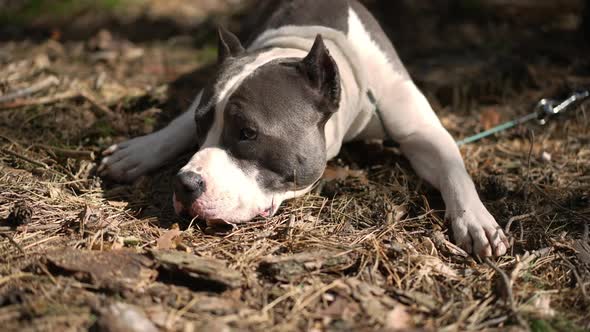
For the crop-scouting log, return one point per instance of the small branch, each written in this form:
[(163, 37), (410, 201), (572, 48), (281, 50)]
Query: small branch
[(102, 108), (39, 86), (579, 279), (507, 282), (68, 153), (14, 243), (517, 218), (27, 159), (71, 94), (42, 101)]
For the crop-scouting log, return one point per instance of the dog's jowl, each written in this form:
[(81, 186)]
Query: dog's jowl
[(283, 105)]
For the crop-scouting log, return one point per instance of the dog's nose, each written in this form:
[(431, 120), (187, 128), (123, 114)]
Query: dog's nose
[(189, 186)]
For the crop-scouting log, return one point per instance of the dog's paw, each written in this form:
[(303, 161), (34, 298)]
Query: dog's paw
[(129, 160), (477, 232)]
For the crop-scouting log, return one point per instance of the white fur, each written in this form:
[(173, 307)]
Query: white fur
[(409, 119), (232, 193)]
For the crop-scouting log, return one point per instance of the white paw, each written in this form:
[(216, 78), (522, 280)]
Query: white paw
[(131, 159), (477, 232)]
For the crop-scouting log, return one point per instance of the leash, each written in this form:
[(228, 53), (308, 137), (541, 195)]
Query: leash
[(544, 110)]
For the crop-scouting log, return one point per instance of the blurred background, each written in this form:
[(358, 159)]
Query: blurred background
[(481, 41)]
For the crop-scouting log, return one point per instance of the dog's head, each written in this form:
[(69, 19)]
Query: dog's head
[(261, 125)]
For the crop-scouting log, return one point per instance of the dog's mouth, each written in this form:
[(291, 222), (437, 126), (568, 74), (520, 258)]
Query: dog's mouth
[(211, 217), (265, 214)]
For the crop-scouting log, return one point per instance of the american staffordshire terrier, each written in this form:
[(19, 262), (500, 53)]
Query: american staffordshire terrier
[(317, 75)]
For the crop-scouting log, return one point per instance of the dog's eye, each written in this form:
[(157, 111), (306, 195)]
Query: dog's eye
[(248, 134)]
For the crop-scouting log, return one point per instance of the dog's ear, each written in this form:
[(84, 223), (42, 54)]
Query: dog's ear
[(229, 45), (323, 75)]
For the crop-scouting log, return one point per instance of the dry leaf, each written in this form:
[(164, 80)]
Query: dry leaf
[(91, 218), (489, 118), (337, 173), (429, 246), (399, 319), (542, 304), (434, 264), (120, 317), (168, 239), (118, 204)]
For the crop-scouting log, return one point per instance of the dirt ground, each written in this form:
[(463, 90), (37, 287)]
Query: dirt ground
[(368, 249)]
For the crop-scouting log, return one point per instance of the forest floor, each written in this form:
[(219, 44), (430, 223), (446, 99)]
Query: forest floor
[(368, 249)]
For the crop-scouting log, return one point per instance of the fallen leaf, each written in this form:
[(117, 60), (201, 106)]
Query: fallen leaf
[(431, 264), (91, 218), (118, 204), (122, 317), (542, 304), (373, 300), (489, 118), (337, 173), (399, 319), (168, 240)]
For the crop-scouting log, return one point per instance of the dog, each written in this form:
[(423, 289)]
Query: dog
[(317, 75)]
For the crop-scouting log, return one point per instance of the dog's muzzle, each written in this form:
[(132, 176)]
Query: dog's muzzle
[(188, 187)]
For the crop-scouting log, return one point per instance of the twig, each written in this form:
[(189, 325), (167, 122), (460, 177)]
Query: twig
[(29, 228), (556, 204), (528, 167), (579, 279), (19, 275), (505, 280), (508, 287), (42, 85), (68, 153), (174, 316), (14, 243), (102, 108), (27, 159), (516, 218), (42, 101)]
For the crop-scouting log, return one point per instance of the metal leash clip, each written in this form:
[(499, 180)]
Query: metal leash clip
[(548, 107), (543, 111)]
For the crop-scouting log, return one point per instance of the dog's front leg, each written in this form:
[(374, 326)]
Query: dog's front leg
[(433, 153), (129, 160), (436, 158)]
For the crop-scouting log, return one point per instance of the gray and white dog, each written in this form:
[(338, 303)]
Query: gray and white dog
[(319, 74)]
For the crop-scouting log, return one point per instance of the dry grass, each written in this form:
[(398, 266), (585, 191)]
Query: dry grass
[(365, 252)]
